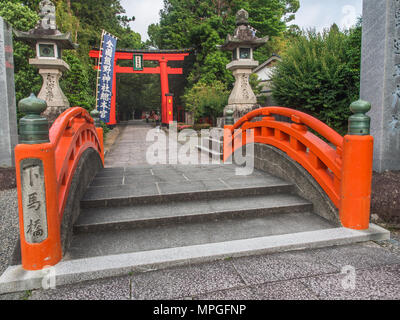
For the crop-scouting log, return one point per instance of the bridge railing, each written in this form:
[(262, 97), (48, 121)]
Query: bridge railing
[(46, 161), (342, 166)]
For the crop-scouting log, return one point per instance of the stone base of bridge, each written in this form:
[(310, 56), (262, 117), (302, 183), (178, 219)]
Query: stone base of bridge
[(136, 219)]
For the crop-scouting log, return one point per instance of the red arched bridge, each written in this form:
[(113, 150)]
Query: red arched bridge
[(342, 167)]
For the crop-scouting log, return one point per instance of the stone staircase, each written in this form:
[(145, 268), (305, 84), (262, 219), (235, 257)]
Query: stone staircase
[(143, 218), (142, 209)]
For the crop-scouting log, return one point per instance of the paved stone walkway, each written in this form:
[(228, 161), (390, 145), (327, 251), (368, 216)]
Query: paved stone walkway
[(305, 275), (131, 147), (309, 274)]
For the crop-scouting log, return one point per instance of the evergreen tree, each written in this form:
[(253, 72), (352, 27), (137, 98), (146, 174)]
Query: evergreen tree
[(85, 20), (204, 24), (21, 17), (320, 74)]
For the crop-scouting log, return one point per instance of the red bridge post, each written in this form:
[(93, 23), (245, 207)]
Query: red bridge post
[(358, 148), (45, 164)]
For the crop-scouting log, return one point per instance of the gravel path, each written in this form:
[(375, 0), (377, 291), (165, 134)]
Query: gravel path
[(9, 227)]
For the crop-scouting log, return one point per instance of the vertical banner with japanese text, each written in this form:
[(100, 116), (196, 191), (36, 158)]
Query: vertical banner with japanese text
[(106, 77)]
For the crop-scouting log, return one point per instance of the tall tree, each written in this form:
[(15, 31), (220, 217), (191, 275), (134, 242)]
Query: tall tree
[(85, 19), (320, 74), (204, 24), (21, 17)]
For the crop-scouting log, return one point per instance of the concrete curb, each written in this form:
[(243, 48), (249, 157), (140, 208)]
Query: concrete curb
[(16, 279)]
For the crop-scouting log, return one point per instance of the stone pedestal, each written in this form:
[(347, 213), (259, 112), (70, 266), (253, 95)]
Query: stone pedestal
[(242, 99), (8, 118), (380, 79), (189, 118), (51, 71)]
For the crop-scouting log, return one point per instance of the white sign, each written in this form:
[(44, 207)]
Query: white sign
[(33, 201), (138, 62)]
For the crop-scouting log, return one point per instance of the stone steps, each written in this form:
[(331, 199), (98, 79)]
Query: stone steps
[(145, 208), (153, 217), (138, 186), (180, 212), (191, 233)]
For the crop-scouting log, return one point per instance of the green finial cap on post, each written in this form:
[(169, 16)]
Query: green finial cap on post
[(229, 121), (33, 128), (360, 123), (95, 114)]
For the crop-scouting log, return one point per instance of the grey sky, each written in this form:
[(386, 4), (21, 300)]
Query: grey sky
[(313, 13)]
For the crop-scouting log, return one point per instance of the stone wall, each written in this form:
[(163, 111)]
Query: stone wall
[(380, 78), (8, 113)]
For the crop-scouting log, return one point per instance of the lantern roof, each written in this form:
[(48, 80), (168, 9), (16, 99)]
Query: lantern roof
[(46, 29), (244, 34), (63, 40)]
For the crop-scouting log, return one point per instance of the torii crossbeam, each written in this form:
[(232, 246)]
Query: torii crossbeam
[(162, 56)]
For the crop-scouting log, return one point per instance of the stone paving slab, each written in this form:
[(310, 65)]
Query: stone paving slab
[(243, 293), (192, 233), (379, 283), (283, 290), (166, 180), (105, 289), (197, 210), (131, 147), (368, 255), (184, 282), (222, 280), (278, 267), (73, 271)]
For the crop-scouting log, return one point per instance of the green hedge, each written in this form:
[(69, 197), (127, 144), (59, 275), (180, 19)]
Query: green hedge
[(320, 75)]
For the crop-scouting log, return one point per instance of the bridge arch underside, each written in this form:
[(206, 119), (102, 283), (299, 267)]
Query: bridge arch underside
[(277, 163), (89, 165)]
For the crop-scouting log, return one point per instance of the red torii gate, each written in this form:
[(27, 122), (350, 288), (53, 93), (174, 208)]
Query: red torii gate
[(162, 56)]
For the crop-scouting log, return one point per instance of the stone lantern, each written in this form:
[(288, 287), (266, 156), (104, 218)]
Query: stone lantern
[(242, 45), (49, 43)]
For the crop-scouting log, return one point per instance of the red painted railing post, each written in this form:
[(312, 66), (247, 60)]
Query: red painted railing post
[(228, 135), (357, 162), (37, 189), (45, 166), (35, 165), (228, 142)]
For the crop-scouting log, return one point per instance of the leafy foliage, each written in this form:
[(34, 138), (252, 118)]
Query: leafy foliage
[(320, 74), (200, 24), (21, 17), (75, 83), (205, 99), (85, 20), (138, 92), (204, 24)]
